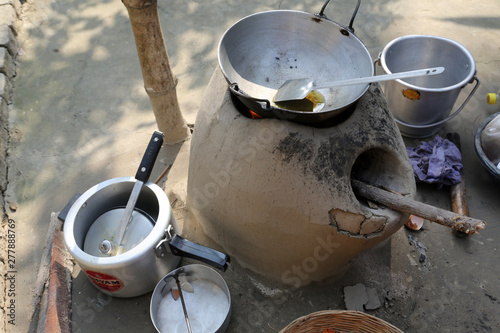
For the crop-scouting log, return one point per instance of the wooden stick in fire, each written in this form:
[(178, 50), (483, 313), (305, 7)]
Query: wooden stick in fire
[(457, 191), (403, 204)]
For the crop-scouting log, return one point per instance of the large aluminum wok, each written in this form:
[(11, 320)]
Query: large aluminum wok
[(261, 51)]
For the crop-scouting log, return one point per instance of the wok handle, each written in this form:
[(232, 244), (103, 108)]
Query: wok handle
[(182, 247), (257, 102), (351, 29)]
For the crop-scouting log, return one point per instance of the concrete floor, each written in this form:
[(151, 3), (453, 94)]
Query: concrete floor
[(80, 116)]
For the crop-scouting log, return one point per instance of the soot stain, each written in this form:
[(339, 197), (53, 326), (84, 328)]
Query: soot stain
[(294, 146), (372, 104), (334, 156), (328, 161)]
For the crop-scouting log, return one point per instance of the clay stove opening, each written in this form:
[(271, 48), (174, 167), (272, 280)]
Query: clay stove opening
[(379, 167)]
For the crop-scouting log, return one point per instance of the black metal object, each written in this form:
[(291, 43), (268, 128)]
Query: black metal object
[(351, 29), (182, 247), (244, 109), (64, 213), (149, 158)]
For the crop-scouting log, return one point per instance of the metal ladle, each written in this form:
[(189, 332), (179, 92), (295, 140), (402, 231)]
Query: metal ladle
[(179, 287), (298, 89), (111, 248)]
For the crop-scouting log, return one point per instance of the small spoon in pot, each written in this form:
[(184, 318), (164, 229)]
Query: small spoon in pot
[(297, 89)]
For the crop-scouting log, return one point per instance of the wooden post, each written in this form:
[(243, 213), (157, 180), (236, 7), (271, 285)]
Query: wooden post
[(458, 194), (159, 81)]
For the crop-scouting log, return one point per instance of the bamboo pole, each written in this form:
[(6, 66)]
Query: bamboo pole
[(159, 82)]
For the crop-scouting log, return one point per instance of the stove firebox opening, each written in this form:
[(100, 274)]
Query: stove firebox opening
[(377, 167)]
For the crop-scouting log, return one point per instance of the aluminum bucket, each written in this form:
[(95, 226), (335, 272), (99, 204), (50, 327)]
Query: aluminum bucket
[(422, 105)]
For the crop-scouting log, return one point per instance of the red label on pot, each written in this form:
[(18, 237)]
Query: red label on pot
[(105, 281), (411, 94)]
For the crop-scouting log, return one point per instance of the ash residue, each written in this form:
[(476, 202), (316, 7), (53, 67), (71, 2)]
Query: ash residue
[(421, 249)]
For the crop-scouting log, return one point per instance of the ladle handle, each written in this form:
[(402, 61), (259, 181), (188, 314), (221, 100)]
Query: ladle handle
[(182, 247), (142, 176), (186, 317), (380, 78), (149, 158)]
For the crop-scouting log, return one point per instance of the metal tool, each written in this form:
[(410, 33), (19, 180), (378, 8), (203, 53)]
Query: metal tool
[(207, 301), (297, 89), (186, 285), (142, 176), (176, 277)]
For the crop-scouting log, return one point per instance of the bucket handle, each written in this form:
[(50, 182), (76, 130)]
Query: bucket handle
[(475, 78)]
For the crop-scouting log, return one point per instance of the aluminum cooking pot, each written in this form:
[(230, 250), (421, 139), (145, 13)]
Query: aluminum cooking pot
[(156, 252), (205, 306), (261, 51)]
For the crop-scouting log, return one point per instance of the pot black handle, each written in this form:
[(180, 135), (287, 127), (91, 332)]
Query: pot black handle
[(182, 247), (149, 158), (351, 29), (64, 212), (257, 102)]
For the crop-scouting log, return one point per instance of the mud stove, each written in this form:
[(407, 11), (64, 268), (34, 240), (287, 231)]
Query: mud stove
[(277, 195)]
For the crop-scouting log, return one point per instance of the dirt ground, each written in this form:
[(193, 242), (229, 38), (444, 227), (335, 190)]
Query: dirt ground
[(80, 114)]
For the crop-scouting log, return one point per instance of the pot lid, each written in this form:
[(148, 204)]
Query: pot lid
[(106, 226)]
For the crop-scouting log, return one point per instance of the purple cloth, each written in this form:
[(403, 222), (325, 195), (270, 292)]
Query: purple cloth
[(438, 161)]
